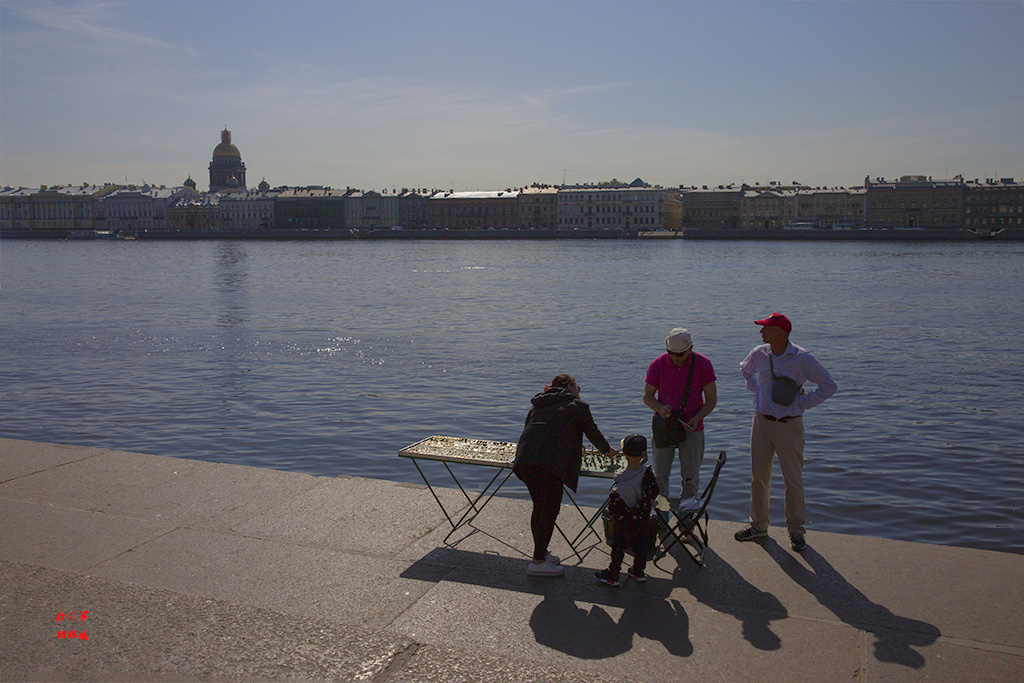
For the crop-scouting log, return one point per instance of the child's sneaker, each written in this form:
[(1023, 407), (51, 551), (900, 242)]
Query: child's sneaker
[(606, 576), (639, 577)]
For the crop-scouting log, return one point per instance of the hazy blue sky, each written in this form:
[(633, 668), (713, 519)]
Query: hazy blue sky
[(486, 95)]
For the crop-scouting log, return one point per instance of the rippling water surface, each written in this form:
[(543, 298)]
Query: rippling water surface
[(328, 357)]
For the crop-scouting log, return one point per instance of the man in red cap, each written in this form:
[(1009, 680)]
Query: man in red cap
[(776, 372)]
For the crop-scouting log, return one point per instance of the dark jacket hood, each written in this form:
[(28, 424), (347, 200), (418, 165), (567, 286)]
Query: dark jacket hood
[(552, 396), (552, 437)]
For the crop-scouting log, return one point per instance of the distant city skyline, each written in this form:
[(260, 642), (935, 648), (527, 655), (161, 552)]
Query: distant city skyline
[(462, 96)]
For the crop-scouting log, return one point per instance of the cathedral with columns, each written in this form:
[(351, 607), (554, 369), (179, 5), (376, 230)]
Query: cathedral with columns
[(227, 171)]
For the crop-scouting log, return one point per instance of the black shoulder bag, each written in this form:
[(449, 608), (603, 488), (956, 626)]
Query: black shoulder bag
[(784, 389), (669, 431)]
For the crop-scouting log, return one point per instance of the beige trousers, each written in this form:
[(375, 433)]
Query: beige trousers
[(767, 439)]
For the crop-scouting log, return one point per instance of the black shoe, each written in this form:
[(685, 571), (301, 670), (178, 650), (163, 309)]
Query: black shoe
[(605, 576), (639, 577), (797, 542), (749, 533)]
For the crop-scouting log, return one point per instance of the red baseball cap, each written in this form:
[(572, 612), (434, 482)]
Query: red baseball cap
[(776, 320)]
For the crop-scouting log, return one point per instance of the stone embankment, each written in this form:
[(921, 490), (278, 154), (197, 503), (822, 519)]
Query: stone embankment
[(129, 567)]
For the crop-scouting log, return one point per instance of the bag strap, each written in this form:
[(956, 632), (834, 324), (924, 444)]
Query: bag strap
[(771, 368), (689, 384)]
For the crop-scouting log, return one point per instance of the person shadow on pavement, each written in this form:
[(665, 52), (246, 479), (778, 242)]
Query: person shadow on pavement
[(896, 637), (559, 623), (724, 589), (576, 615)]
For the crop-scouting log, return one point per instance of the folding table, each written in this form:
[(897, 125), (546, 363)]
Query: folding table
[(499, 455)]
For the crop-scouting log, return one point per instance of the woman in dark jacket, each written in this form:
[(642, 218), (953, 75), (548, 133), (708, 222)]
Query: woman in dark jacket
[(548, 456)]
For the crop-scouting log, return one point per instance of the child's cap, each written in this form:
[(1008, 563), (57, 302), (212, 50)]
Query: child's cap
[(634, 446)]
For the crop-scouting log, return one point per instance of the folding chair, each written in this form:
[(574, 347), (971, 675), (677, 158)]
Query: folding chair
[(688, 525)]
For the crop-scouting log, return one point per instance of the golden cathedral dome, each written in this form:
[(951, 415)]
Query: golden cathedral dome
[(225, 148), (227, 172)]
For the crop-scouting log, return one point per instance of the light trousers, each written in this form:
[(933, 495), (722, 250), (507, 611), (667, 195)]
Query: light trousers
[(691, 456), (785, 439)]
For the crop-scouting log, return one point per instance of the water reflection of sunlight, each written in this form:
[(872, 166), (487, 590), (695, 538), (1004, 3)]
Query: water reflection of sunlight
[(329, 357)]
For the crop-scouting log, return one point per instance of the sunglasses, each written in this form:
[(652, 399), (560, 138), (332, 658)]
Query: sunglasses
[(681, 353)]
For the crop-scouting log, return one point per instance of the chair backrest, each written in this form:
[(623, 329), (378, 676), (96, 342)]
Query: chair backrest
[(710, 488)]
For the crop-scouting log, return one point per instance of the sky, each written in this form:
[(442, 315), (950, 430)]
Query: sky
[(481, 95)]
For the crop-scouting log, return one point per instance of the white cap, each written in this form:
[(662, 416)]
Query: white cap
[(678, 340)]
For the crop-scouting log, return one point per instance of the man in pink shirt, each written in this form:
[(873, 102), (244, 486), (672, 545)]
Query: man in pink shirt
[(680, 385)]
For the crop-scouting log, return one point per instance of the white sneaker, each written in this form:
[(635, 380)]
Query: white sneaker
[(553, 559), (544, 568)]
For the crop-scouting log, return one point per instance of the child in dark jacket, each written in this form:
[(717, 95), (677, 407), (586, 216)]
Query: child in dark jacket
[(629, 503)]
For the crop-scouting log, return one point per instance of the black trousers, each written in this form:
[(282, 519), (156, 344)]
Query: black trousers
[(635, 536), (546, 492)]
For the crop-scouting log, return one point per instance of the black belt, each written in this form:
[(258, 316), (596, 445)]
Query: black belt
[(783, 420)]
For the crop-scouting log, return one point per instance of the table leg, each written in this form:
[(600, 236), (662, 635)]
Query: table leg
[(473, 510)]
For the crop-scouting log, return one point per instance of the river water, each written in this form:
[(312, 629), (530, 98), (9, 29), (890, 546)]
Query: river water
[(328, 357)]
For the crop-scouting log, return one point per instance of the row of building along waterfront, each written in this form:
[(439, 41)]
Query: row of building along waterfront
[(910, 202)]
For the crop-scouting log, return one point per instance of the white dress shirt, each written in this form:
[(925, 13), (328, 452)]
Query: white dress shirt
[(795, 363)]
